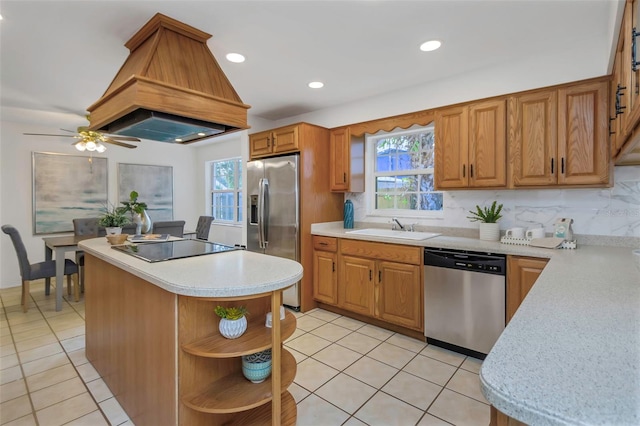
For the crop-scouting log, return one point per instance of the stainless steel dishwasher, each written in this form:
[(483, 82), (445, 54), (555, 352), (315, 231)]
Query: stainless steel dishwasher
[(464, 299)]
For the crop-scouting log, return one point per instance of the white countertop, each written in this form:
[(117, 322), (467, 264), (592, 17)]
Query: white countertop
[(571, 354), (227, 274)]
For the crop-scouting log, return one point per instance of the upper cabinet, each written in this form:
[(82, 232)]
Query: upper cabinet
[(346, 165), (470, 149), (559, 136), (624, 90), (271, 142)]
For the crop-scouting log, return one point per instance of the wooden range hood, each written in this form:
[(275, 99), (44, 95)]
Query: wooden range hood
[(170, 88)]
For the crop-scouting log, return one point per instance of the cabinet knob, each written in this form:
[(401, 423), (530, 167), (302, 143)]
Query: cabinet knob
[(471, 170), (552, 166), (379, 276), (464, 170)]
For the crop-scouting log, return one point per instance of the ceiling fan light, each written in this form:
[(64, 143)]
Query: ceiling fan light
[(100, 148), (91, 146), (80, 146)]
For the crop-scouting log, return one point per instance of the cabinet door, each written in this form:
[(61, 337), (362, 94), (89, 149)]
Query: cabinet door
[(355, 290), (285, 139), (399, 294), (325, 280), (522, 273), (339, 162), (260, 144), (616, 136), (583, 148), (487, 144), (532, 134), (451, 148), (631, 20)]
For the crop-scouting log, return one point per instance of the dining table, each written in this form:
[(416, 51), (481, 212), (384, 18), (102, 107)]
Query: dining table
[(59, 246)]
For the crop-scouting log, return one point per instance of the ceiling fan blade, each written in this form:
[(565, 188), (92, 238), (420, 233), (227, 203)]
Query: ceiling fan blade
[(123, 138), (47, 134), (70, 131), (126, 145)]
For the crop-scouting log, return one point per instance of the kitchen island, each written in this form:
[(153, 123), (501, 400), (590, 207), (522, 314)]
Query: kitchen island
[(571, 353), (152, 334)]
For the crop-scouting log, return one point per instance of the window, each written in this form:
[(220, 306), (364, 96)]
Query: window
[(226, 190), (402, 167)]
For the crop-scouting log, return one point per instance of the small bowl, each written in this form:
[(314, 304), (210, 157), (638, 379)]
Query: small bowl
[(117, 239), (257, 367)]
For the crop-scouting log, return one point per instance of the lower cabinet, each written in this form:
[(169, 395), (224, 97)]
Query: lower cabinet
[(378, 280), (325, 275), (522, 273)]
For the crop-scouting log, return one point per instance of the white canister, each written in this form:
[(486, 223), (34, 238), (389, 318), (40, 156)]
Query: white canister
[(515, 232), (534, 233)]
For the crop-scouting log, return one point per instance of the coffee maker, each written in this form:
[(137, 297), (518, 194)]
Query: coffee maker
[(563, 229)]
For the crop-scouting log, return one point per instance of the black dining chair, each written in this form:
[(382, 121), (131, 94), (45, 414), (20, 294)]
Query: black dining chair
[(86, 226), (203, 227), (171, 227), (35, 271)]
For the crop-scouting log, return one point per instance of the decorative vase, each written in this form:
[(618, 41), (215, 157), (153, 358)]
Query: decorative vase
[(489, 231), (232, 329), (257, 367), (143, 222), (113, 230), (348, 214)]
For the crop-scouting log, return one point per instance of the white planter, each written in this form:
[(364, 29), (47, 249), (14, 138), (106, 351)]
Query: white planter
[(490, 231), (115, 230), (232, 329)]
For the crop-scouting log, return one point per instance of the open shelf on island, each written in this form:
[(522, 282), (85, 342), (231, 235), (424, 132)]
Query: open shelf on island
[(261, 416), (233, 392), (257, 338)]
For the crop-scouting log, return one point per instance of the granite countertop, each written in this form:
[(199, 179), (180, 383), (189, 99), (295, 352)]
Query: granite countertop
[(571, 353), (227, 274)]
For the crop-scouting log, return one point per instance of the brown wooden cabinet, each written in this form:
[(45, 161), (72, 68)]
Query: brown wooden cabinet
[(325, 272), (522, 273), (272, 142), (346, 167), (382, 281), (470, 149), (559, 136), (317, 202)]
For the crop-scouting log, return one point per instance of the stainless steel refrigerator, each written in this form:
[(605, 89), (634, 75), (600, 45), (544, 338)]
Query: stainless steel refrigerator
[(273, 215)]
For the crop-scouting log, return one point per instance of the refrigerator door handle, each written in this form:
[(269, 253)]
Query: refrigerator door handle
[(263, 213)]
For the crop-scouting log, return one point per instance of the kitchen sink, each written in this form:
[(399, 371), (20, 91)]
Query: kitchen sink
[(389, 233)]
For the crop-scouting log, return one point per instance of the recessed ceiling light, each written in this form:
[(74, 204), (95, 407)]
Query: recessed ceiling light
[(235, 57), (430, 45), (316, 84)]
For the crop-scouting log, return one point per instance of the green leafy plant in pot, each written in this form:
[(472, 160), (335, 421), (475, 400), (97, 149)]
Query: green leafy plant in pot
[(138, 210), (113, 219), (488, 218), (233, 322)]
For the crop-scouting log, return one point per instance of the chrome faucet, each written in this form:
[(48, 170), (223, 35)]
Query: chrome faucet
[(398, 222)]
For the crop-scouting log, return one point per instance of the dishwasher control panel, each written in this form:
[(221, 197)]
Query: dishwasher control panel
[(488, 263)]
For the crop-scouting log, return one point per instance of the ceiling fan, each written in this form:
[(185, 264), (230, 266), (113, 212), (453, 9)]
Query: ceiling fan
[(90, 140)]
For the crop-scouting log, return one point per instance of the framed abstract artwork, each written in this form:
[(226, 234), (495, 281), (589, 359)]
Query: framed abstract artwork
[(66, 187), (154, 185)]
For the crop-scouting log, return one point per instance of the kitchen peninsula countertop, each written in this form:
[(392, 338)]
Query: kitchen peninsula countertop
[(571, 353), (227, 274)]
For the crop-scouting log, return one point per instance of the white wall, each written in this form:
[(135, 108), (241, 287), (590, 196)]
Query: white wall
[(221, 148), (16, 190)]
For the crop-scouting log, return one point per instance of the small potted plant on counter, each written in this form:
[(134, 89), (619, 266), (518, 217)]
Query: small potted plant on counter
[(488, 218), (233, 322), (112, 220)]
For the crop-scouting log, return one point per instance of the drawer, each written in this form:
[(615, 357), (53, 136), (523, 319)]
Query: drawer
[(382, 251), (325, 243)]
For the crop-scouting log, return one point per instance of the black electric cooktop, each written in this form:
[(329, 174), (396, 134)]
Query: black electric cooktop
[(168, 250)]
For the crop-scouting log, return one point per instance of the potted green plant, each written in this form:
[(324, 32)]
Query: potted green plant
[(488, 218), (233, 322), (113, 219), (138, 210)]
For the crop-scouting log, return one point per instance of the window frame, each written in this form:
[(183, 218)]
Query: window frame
[(238, 209), (371, 175)]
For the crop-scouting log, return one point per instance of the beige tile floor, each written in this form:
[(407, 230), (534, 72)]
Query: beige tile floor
[(349, 372)]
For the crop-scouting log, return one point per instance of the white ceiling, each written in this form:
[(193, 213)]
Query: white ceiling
[(58, 57)]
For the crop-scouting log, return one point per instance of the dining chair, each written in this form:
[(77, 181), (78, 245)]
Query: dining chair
[(86, 226), (203, 227), (171, 227), (35, 271), (129, 228)]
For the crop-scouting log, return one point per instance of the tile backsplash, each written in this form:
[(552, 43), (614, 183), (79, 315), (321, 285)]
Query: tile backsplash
[(611, 211)]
